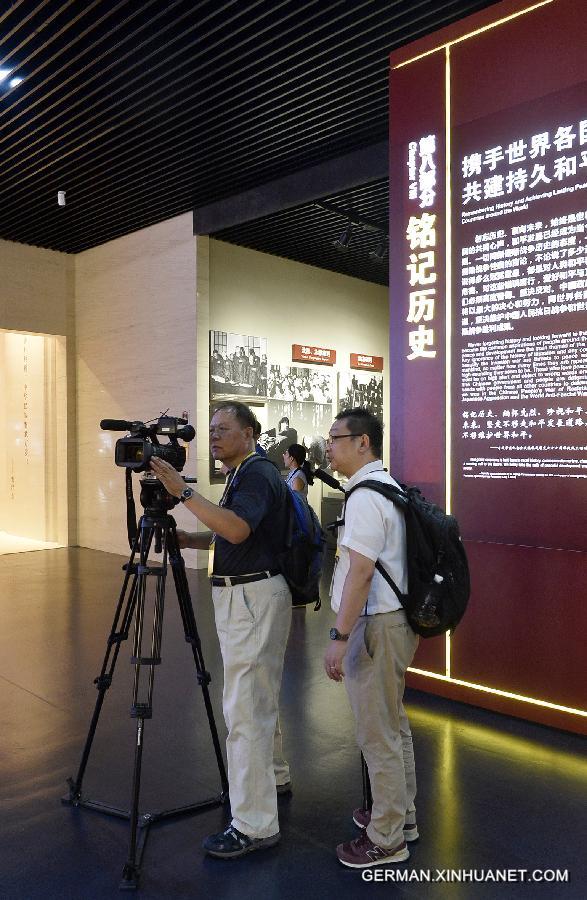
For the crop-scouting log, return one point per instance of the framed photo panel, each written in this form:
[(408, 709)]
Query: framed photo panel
[(238, 366), (357, 388)]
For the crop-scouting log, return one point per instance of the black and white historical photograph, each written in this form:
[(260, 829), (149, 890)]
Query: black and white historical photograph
[(296, 422), (308, 383), (357, 388), (238, 366)]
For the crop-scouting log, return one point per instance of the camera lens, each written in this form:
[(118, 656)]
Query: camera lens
[(132, 453)]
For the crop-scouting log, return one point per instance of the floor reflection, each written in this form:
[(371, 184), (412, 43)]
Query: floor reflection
[(13, 543)]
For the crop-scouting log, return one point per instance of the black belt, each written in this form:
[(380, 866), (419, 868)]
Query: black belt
[(232, 580)]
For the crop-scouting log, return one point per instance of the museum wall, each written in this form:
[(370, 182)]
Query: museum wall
[(137, 313), (246, 292), (287, 302), (36, 289), (37, 298), (136, 338)]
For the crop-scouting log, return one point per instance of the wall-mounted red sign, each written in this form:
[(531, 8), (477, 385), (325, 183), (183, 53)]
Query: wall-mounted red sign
[(364, 361), (305, 353)]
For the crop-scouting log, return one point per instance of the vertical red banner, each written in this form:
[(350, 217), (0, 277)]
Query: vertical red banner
[(500, 97), (417, 273), (417, 287)]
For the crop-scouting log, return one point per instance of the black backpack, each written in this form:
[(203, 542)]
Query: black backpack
[(438, 572), (302, 561)]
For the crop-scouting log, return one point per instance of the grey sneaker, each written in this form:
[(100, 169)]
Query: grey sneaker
[(230, 843), (362, 817)]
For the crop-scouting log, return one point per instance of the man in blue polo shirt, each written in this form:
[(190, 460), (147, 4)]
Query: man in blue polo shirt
[(252, 607)]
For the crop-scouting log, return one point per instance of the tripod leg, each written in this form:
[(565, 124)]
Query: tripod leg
[(104, 679), (143, 710), (193, 638), (130, 872)]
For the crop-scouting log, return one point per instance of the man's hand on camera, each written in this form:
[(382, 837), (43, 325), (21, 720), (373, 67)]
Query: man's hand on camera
[(223, 522), (168, 476)]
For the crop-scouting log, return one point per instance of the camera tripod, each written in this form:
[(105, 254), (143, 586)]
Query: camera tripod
[(158, 527)]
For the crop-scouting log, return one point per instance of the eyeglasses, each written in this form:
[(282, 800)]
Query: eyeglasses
[(335, 437)]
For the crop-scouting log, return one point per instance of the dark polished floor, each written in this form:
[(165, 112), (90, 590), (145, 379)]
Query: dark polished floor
[(494, 792)]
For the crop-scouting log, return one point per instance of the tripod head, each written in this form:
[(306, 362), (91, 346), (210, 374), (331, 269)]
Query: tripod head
[(156, 501)]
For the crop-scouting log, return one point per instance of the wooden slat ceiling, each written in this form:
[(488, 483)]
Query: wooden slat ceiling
[(144, 109)]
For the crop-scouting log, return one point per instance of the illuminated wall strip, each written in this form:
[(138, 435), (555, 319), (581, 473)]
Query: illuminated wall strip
[(477, 31), (447, 285), (448, 309), (508, 694)]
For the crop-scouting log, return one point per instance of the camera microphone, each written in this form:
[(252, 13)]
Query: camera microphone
[(330, 480), (117, 425)]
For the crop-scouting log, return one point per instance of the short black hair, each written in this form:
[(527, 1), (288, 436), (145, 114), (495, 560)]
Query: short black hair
[(257, 429), (362, 421), (242, 413), (297, 452), (284, 419)]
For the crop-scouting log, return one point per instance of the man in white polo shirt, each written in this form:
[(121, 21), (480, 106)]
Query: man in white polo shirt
[(372, 644)]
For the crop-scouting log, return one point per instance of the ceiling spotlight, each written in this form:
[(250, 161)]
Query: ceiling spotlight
[(15, 81), (4, 73), (379, 253), (342, 242)]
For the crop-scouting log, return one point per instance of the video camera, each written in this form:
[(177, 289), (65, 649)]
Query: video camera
[(135, 452)]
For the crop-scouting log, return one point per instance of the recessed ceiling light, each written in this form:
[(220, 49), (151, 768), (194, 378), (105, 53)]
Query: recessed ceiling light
[(14, 81), (4, 73)]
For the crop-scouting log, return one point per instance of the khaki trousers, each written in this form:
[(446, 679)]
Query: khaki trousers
[(381, 647), (253, 623)]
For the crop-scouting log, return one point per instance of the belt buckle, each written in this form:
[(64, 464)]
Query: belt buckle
[(221, 579)]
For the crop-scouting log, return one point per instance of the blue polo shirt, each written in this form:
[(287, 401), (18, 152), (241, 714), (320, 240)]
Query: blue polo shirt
[(259, 496)]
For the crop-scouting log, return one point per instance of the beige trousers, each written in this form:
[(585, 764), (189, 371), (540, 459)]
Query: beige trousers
[(381, 647), (253, 622)]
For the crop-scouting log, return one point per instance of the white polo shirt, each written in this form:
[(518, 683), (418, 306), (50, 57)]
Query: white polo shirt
[(374, 527)]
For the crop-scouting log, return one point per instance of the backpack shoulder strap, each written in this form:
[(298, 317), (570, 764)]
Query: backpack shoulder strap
[(399, 498), (254, 458), (390, 491), (385, 574)]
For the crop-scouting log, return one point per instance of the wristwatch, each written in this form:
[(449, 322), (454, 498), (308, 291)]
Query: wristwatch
[(335, 635), (186, 494)]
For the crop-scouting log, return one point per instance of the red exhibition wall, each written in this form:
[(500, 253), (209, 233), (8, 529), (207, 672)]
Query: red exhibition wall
[(488, 291)]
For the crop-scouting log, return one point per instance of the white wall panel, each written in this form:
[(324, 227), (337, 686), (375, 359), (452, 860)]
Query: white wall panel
[(136, 351), (36, 297)]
